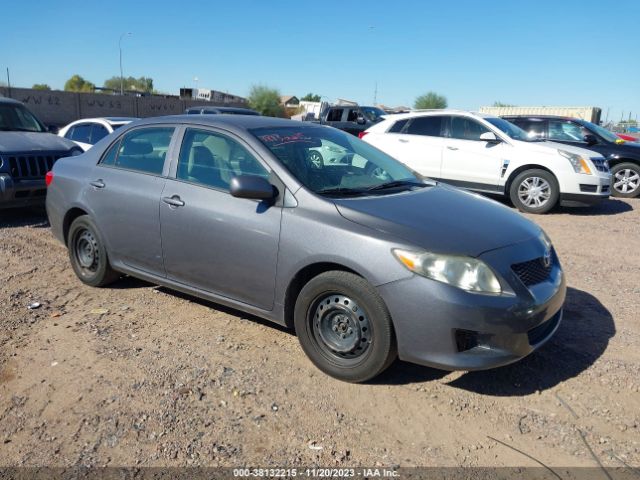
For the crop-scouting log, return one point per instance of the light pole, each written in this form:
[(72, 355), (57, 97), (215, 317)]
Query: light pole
[(121, 75)]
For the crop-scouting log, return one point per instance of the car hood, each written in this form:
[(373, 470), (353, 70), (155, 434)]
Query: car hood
[(17, 142), (441, 219), (624, 149), (552, 147)]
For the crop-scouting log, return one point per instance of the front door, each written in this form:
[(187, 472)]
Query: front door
[(211, 240), (468, 161), (124, 191)]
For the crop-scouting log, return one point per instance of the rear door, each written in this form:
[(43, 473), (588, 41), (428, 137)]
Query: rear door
[(124, 193), (211, 240), (468, 161), (419, 144)]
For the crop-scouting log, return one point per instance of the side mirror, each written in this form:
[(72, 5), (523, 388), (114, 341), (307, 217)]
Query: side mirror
[(489, 137), (590, 139), (252, 186), (360, 120), (53, 129)]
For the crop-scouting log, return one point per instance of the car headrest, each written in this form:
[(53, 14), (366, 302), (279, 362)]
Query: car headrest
[(137, 147)]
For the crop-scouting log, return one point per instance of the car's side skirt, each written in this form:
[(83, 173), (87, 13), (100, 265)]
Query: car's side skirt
[(478, 187)]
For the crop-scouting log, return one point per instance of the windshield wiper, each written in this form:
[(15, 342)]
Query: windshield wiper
[(341, 191), (395, 184)]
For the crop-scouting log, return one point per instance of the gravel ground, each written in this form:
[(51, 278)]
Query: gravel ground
[(140, 375)]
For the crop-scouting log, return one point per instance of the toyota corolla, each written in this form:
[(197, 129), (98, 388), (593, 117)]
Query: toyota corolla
[(365, 259)]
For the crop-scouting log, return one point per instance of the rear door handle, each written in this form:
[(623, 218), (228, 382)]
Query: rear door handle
[(174, 201), (98, 183), (452, 148)]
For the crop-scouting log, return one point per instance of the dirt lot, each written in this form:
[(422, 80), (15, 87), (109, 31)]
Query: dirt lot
[(140, 375)]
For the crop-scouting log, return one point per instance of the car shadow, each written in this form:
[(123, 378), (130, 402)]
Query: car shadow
[(24, 217), (610, 206), (582, 337)]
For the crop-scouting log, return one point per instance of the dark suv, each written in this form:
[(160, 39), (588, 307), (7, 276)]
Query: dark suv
[(623, 157), (27, 152)]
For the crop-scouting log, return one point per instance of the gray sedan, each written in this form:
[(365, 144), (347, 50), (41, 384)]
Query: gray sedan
[(364, 258)]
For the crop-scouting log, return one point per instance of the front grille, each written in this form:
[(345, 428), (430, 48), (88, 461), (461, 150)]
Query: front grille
[(534, 271), (31, 166), (601, 164), (542, 331)]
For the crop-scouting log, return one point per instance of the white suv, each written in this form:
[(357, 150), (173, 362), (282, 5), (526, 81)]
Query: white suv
[(488, 154)]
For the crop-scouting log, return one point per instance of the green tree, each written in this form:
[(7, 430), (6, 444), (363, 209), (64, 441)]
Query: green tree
[(311, 97), (142, 84), (78, 84), (430, 100), (266, 100), (41, 86), (501, 104)]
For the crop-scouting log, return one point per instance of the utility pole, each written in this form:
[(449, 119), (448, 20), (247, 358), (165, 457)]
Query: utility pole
[(8, 81), (120, 50)]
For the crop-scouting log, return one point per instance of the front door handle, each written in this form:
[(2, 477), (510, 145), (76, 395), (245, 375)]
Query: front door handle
[(452, 148), (403, 140), (173, 201), (98, 183)]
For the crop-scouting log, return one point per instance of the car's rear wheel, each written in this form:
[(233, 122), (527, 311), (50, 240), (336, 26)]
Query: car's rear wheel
[(88, 255), (625, 180), (344, 326), (534, 191)]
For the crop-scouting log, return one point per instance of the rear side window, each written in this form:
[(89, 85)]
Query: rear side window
[(335, 115), (398, 126), (141, 150), (465, 128), (81, 133), (532, 127), (430, 126)]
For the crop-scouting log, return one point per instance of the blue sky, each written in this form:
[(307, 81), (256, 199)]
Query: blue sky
[(547, 52)]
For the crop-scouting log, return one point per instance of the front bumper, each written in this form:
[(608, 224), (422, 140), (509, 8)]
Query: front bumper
[(433, 321), (585, 190), (24, 193)]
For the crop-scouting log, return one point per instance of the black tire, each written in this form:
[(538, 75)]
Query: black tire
[(627, 176), (547, 195), (88, 255), (363, 348)]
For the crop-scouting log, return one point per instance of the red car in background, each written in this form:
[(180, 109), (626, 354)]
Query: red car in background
[(627, 138)]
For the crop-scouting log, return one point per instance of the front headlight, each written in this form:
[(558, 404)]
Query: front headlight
[(579, 164), (463, 272)]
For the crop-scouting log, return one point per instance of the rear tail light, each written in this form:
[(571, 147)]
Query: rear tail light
[(362, 134), (48, 178)]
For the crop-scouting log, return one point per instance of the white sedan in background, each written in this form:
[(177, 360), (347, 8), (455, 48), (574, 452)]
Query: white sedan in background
[(87, 132)]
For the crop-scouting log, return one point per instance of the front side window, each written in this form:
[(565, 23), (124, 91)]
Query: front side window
[(352, 116), (142, 150), (464, 128), (98, 132), (81, 133), (360, 170), (429, 126), (212, 160), (566, 131), (603, 132), (512, 130)]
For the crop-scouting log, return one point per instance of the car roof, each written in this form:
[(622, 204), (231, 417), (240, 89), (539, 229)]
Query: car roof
[(222, 109), (119, 119), (558, 117), (235, 122), (446, 111), (10, 100)]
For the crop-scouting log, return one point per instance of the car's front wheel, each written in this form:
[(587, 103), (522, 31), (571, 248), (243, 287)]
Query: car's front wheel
[(625, 180), (88, 255), (344, 326), (534, 191)]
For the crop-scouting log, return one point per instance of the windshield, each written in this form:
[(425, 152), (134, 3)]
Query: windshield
[(513, 131), (373, 114), (15, 117), (334, 163), (603, 132)]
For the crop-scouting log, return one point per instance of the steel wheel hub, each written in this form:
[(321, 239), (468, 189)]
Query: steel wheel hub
[(341, 326), (87, 250), (626, 180), (534, 191)]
